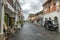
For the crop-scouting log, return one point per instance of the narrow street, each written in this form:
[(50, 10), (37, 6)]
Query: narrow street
[(32, 15), (33, 32)]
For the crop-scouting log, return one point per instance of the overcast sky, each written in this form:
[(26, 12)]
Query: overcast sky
[(31, 6)]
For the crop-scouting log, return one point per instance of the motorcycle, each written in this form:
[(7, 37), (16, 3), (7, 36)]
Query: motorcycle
[(53, 27)]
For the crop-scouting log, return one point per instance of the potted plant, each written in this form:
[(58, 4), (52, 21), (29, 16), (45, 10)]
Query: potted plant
[(19, 24)]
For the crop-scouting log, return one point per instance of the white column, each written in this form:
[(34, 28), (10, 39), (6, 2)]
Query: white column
[(16, 19), (2, 18), (0, 15)]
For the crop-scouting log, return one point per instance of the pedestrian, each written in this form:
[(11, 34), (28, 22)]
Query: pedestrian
[(50, 20), (22, 23), (50, 24), (56, 21), (46, 23)]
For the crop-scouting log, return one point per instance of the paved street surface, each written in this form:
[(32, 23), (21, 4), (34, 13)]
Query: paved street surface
[(33, 32)]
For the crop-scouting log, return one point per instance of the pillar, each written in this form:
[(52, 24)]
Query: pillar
[(16, 20), (1, 16), (1, 19)]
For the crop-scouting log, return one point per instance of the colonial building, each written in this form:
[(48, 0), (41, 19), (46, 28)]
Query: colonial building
[(40, 18), (2, 2), (18, 11), (9, 14), (51, 8), (31, 17)]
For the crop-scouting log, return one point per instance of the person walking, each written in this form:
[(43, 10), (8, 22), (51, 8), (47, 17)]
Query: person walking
[(50, 24), (22, 23), (46, 23)]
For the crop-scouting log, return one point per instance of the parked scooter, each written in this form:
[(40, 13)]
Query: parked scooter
[(56, 27), (53, 27)]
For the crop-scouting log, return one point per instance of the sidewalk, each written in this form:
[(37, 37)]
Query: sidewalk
[(1, 37), (12, 31)]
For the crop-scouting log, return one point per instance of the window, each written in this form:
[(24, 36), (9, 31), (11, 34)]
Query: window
[(6, 19), (49, 4), (58, 8)]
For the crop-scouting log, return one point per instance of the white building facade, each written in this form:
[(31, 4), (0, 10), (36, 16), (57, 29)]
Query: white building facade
[(10, 7), (52, 9)]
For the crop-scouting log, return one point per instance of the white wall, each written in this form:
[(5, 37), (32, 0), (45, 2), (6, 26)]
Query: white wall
[(52, 15)]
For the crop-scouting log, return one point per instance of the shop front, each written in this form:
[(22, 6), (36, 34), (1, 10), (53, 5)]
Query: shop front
[(9, 17), (11, 21)]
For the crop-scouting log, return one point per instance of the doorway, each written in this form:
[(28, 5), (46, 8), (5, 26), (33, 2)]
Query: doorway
[(6, 19)]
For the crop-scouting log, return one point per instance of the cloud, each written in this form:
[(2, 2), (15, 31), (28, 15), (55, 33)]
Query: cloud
[(31, 6), (26, 6), (25, 16), (43, 1)]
